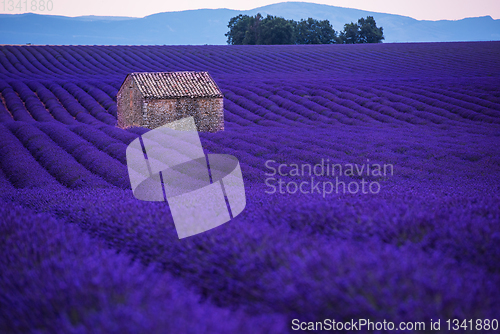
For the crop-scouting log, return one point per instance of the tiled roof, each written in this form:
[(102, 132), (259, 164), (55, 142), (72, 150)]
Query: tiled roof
[(165, 85)]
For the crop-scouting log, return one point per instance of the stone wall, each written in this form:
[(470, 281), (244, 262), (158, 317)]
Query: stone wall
[(129, 105), (133, 110), (208, 113)]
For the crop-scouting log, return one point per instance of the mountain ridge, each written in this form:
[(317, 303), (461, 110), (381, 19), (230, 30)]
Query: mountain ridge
[(208, 26)]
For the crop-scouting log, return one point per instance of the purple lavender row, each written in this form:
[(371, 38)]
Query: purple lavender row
[(319, 113), (19, 165), (90, 104), (51, 103), (104, 58), (77, 61), (381, 104), (107, 88), (464, 109), (101, 97), (72, 283), (471, 100), (29, 62), (265, 105), (71, 105), (111, 146), (32, 102), (349, 101), (429, 105), (247, 102), (404, 104), (89, 156), (240, 111), (14, 65), (124, 136), (5, 115), (336, 60), (47, 61), (86, 54), (60, 164), (6, 67), (334, 102), (483, 91), (14, 104), (142, 63), (318, 247)]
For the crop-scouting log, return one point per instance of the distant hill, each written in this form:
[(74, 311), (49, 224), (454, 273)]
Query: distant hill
[(208, 26)]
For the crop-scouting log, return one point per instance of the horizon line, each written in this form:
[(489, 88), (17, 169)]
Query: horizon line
[(239, 10)]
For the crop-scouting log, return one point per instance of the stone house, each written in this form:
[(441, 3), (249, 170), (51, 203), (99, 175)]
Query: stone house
[(152, 99)]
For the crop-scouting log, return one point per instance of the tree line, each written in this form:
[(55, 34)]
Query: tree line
[(272, 30)]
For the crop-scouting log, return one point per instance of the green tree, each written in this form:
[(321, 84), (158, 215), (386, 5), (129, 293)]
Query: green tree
[(369, 32), (252, 34), (365, 31), (252, 30), (276, 30), (238, 27), (312, 31), (350, 35)]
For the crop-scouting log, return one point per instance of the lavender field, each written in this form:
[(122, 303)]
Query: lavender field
[(81, 255)]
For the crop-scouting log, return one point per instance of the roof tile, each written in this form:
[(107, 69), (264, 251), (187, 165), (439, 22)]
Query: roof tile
[(164, 85)]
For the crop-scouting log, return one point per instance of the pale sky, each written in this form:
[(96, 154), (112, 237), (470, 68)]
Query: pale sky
[(418, 9)]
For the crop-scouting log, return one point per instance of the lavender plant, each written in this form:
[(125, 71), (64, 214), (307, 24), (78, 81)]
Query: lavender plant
[(82, 255)]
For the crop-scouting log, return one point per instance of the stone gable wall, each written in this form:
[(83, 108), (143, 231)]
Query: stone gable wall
[(129, 105)]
